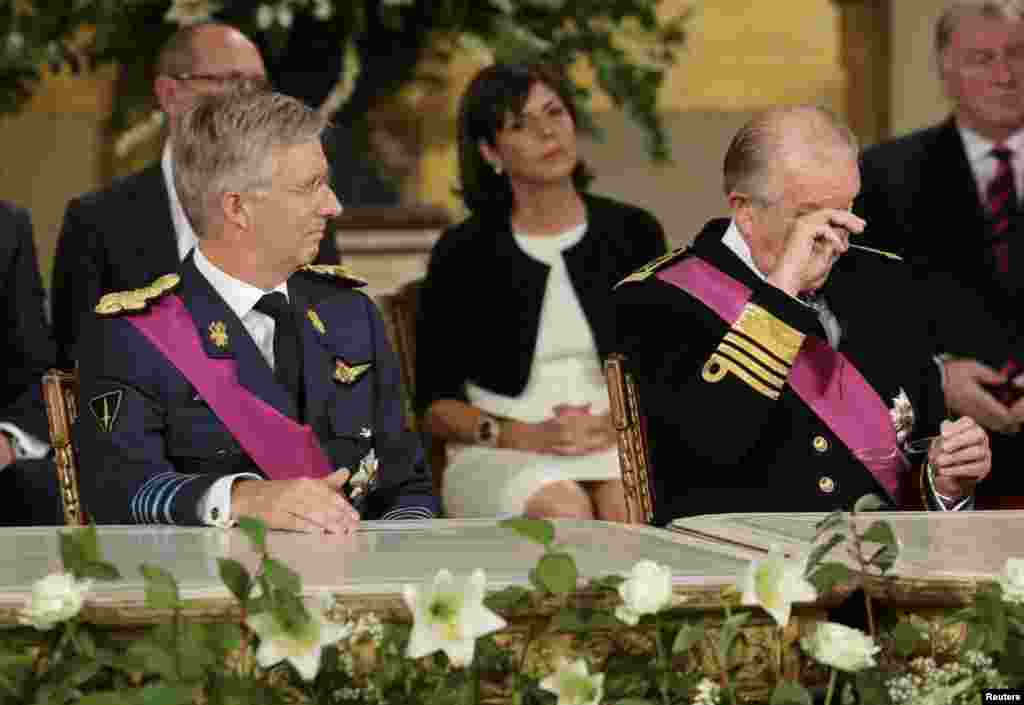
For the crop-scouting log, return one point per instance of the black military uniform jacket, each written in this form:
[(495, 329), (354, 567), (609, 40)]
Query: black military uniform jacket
[(727, 445)]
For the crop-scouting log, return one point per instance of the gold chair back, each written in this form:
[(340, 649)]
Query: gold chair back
[(634, 458), (400, 310), (60, 391)]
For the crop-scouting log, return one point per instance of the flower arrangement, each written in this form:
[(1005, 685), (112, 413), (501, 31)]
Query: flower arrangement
[(369, 50), (459, 647)]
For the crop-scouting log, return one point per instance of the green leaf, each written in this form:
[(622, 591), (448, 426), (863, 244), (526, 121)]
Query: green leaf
[(290, 612), (868, 503), (557, 572), (828, 575), (822, 550), (880, 532), (608, 582), (507, 599), (907, 637), (161, 588), (582, 620), (790, 693), (150, 656), (236, 578), (884, 558), (99, 570), (281, 576), (872, 688), (539, 531), (730, 630), (256, 530), (689, 634), (194, 655)]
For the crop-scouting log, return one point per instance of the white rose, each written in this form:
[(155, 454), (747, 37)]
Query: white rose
[(846, 649), (322, 10), (647, 590), (1012, 580), (264, 16), (284, 15), (56, 598)]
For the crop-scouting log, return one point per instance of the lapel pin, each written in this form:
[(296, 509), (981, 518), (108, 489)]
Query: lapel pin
[(315, 320), (349, 374), (365, 432), (219, 334)]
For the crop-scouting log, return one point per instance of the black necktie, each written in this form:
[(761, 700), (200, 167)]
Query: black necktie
[(1001, 195), (287, 345)]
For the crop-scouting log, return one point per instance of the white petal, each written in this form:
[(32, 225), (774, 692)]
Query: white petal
[(476, 586), (409, 595), (624, 614), (460, 653), (268, 654), (307, 664)]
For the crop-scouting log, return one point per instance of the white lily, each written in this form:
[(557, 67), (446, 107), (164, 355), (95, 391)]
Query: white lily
[(841, 647), (56, 598), (1012, 580), (449, 616), (647, 590), (303, 650), (775, 583), (574, 685)]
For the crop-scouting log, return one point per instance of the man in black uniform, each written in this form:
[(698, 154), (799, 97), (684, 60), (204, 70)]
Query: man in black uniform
[(789, 376)]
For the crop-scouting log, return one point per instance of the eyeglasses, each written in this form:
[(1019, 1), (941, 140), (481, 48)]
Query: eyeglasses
[(248, 81)]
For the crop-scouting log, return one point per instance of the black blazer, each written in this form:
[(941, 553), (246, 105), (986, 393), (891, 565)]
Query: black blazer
[(480, 304), (30, 349), (920, 200), (117, 239)]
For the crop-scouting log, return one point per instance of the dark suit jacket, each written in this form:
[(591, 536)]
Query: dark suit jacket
[(166, 447), (721, 445), (29, 487), (481, 301), (117, 239), (920, 200)]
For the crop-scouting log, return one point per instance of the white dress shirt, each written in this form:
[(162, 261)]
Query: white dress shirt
[(984, 165), (241, 297)]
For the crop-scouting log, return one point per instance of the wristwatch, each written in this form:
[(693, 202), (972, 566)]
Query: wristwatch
[(488, 431), (16, 447)]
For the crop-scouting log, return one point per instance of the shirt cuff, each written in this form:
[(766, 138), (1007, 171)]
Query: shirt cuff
[(940, 361), (26, 446), (215, 505), (944, 503)]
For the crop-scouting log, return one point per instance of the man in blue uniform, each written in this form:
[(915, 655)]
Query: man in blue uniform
[(250, 383)]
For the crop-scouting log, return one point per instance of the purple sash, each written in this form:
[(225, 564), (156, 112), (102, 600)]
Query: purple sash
[(280, 447), (821, 376)]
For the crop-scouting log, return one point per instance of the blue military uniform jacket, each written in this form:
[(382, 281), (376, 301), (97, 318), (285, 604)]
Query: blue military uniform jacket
[(150, 446)]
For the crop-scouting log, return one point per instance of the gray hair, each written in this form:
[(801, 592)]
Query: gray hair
[(753, 156), (225, 142), (994, 9)]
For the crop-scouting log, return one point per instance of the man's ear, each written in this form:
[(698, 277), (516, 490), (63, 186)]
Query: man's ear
[(235, 210), (489, 153), (168, 94)]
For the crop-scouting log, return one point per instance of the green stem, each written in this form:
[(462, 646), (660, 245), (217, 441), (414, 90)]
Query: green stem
[(778, 654), (662, 660), (831, 686)]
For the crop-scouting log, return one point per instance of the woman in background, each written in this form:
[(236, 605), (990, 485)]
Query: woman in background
[(516, 313)]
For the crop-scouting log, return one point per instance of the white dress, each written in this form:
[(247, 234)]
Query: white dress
[(485, 482)]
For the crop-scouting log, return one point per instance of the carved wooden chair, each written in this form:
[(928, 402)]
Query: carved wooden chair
[(60, 391), (630, 428), (399, 310)]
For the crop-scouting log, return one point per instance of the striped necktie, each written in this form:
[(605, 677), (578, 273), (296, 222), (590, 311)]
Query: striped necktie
[(1001, 195)]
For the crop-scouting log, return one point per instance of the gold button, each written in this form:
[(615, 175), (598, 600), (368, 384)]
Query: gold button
[(215, 513), (826, 484), (820, 444)]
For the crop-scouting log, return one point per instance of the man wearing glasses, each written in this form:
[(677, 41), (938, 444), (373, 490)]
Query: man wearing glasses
[(249, 383), (125, 236)]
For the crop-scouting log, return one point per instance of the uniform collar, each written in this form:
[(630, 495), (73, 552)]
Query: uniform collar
[(240, 296)]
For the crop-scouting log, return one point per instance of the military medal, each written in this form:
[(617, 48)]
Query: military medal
[(105, 408)]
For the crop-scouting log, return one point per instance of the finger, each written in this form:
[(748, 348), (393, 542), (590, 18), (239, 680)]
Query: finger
[(338, 478), (978, 371), (846, 220), (296, 522), (970, 471)]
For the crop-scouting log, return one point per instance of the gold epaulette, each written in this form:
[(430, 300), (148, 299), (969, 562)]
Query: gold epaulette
[(335, 271), (883, 253), (653, 266), (137, 299)]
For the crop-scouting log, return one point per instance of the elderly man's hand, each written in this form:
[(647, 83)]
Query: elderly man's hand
[(960, 457), (814, 243), (967, 389), (315, 506)]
